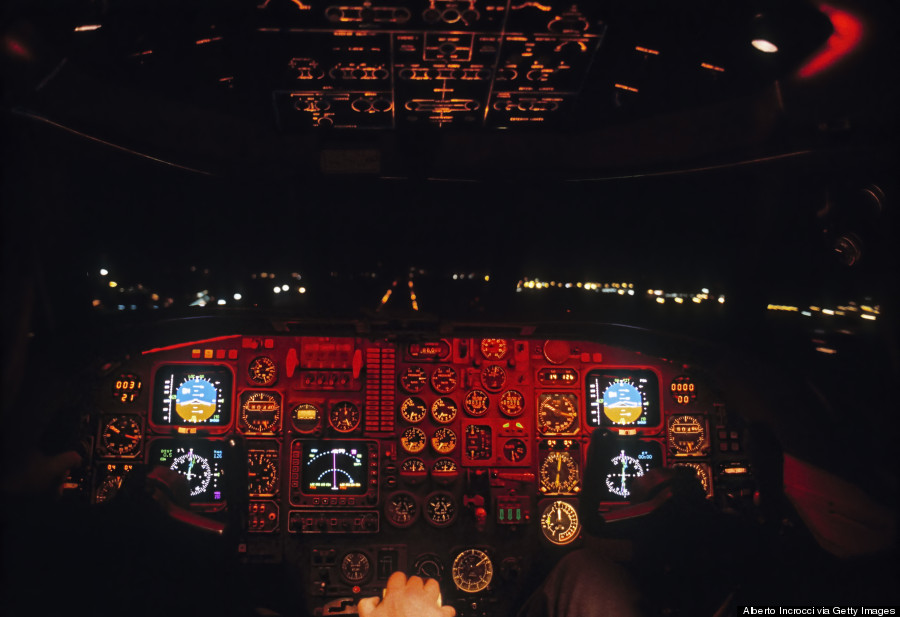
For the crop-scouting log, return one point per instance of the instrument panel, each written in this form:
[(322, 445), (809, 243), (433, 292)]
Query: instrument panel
[(461, 459)]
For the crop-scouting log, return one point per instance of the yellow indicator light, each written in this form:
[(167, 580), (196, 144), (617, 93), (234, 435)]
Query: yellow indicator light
[(645, 50), (624, 87)]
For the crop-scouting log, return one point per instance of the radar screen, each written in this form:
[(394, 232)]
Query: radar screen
[(335, 468), (622, 397), (191, 394), (199, 461)]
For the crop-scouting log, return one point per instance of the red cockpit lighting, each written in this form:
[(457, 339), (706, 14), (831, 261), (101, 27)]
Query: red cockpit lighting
[(848, 30)]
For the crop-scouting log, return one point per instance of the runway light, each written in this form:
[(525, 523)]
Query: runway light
[(696, 300), (455, 277), (828, 311), (237, 296), (103, 271), (154, 297), (705, 290), (765, 46)]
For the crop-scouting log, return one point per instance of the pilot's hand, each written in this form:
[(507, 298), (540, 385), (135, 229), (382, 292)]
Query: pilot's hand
[(407, 598)]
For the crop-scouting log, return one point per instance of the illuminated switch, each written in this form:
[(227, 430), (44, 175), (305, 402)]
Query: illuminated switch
[(585, 357), (249, 343), (195, 353), (723, 435), (269, 343), (734, 434), (220, 354), (232, 354), (735, 446), (723, 446), (596, 357), (208, 354)]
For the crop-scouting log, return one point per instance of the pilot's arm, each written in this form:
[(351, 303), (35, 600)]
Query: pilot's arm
[(404, 597)]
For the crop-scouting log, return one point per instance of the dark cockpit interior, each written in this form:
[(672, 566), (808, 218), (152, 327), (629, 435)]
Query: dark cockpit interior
[(300, 294)]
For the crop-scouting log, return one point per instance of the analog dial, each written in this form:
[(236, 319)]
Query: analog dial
[(121, 436), (494, 348), (261, 411), (476, 403), (444, 440), (412, 465), (512, 403), (413, 440), (440, 509), (413, 409), (559, 522), (400, 509), (687, 435), (429, 565), (559, 474), (444, 379), (472, 571), (683, 390), (444, 466), (356, 567), (109, 486), (305, 417), (515, 450), (557, 413), (493, 378), (444, 410), (344, 417), (262, 371), (702, 472), (413, 380), (262, 472)]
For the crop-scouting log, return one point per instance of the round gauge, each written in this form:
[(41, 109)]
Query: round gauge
[(196, 469), (557, 412), (443, 441), (702, 472), (440, 509), (413, 468), (494, 348), (626, 467), (262, 472), (344, 417), (493, 378), (413, 380), (687, 435), (401, 510), (559, 522), (121, 436), (512, 403), (559, 474), (444, 469), (476, 403), (305, 417), (413, 440), (683, 390), (413, 409), (126, 387), (262, 371), (444, 379), (429, 565), (355, 567), (515, 450), (109, 486), (261, 411), (472, 571), (444, 410)]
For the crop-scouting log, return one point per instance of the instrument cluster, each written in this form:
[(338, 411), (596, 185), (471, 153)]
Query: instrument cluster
[(460, 459)]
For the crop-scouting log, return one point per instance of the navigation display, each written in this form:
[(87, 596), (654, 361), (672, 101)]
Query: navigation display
[(191, 394), (199, 461), (622, 397), (620, 463), (335, 468)]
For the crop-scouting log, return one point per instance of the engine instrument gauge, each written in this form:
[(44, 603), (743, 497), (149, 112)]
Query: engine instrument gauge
[(126, 387), (687, 435), (494, 348), (444, 410), (479, 444), (559, 522), (472, 571), (413, 440), (515, 450), (413, 470), (260, 411), (413, 409), (683, 390), (305, 417), (262, 472), (344, 417), (400, 509), (262, 371), (476, 403), (702, 472), (493, 378), (559, 474), (440, 509), (444, 440), (413, 380), (444, 379), (356, 567), (108, 487), (196, 469), (444, 470), (121, 436), (512, 403), (429, 565), (557, 413)]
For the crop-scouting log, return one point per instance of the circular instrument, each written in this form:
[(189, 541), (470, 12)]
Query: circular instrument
[(444, 410), (687, 434), (121, 436), (444, 471), (429, 565), (305, 417), (413, 440), (109, 486), (412, 465), (444, 379), (196, 469), (413, 380), (683, 390), (627, 467), (443, 441), (472, 571), (512, 403), (557, 412), (494, 348), (702, 472), (262, 371), (344, 417), (400, 509), (559, 522), (413, 409), (476, 403), (356, 567), (493, 378), (126, 387), (440, 509), (261, 411), (559, 474), (515, 450), (262, 472)]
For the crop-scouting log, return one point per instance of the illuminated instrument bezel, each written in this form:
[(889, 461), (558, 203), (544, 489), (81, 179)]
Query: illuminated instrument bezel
[(444, 476), (644, 379), (494, 348), (314, 424), (463, 560), (262, 371), (438, 407), (479, 398), (270, 428), (571, 427), (103, 441), (563, 457), (436, 443), (127, 387), (704, 474), (413, 402), (610, 450), (683, 396), (554, 534), (389, 510), (413, 447), (270, 455), (366, 495), (447, 498), (356, 579), (224, 399), (505, 409), (444, 379), (414, 386), (694, 448), (210, 450), (508, 442), (489, 381), (356, 417), (109, 478)]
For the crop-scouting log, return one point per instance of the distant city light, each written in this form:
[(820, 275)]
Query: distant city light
[(806, 313), (721, 299), (302, 290), (221, 302), (113, 284), (487, 277), (705, 290), (97, 303), (284, 287), (869, 317), (679, 300), (237, 296), (828, 311), (630, 292), (764, 46), (276, 289), (103, 271), (660, 300)]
